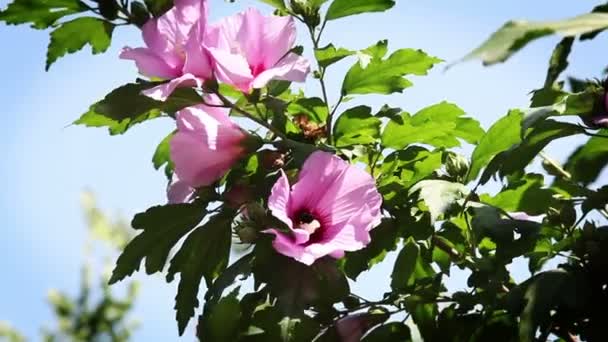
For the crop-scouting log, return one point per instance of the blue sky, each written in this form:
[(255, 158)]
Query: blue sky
[(46, 164)]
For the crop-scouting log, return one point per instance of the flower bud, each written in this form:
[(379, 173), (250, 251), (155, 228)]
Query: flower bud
[(272, 160), (456, 165), (247, 233), (238, 195), (598, 118)]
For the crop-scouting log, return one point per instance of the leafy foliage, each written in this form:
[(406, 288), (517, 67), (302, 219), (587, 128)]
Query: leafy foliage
[(74, 35), (514, 35), (443, 213), (385, 76)]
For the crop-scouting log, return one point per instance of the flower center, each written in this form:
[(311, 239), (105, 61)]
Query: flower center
[(308, 222), (257, 69)]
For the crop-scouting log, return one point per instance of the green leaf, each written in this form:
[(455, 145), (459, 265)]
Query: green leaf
[(356, 126), (162, 227), (126, 106), (73, 35), (204, 254), (313, 107), (384, 239), (158, 7), (527, 195), (280, 4), (402, 169), (439, 195), (393, 331), (501, 136), (404, 271), (228, 277), (329, 55), (40, 13), (559, 60), (385, 76), (586, 163), (514, 35), (438, 125), (518, 157), (162, 154), (343, 8), (220, 322)]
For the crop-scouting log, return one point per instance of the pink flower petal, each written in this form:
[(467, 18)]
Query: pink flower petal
[(204, 148), (179, 192), (278, 202), (279, 37), (291, 68), (251, 37), (148, 63), (232, 69), (163, 91)]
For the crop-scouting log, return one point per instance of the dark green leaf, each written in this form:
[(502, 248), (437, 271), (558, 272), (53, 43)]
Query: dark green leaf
[(393, 331), (313, 107), (439, 125), (409, 267), (220, 322), (158, 7), (228, 277), (126, 106), (385, 76), (586, 163), (356, 126), (73, 35), (514, 35), (329, 55), (501, 136), (527, 195), (519, 156), (598, 9), (384, 239), (40, 13), (343, 8), (163, 227), (204, 254), (559, 60)]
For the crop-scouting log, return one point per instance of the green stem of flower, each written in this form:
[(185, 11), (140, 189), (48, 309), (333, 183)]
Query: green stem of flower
[(251, 117)]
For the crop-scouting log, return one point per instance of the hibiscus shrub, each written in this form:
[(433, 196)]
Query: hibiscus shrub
[(312, 193)]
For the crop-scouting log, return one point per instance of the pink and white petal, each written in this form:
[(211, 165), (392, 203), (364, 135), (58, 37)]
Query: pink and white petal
[(285, 245), (279, 37), (148, 63), (190, 13), (300, 236), (232, 69), (319, 171), (223, 34), (198, 165), (163, 91), (179, 192), (250, 37), (352, 190), (291, 68), (198, 61), (279, 200), (353, 234), (162, 36), (338, 254)]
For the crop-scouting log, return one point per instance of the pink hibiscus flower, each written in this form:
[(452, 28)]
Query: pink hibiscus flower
[(330, 210), (250, 49), (205, 147), (175, 48)]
